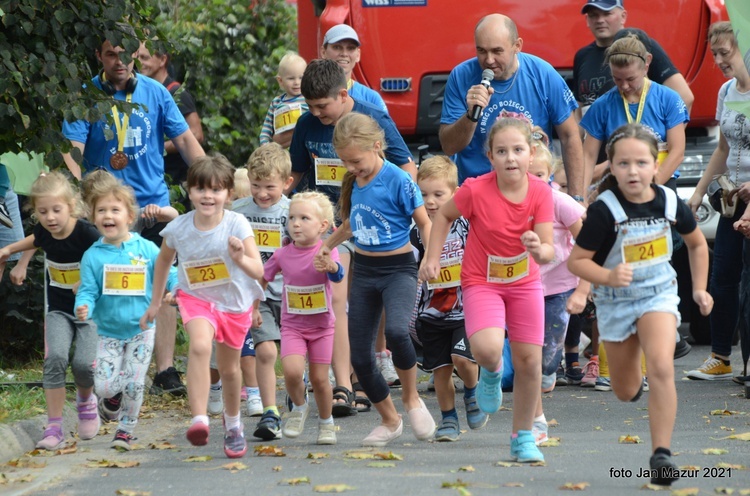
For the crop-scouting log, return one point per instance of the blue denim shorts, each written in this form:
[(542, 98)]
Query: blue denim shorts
[(618, 309)]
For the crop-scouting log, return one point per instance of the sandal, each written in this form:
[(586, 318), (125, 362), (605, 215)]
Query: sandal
[(361, 403), (343, 401)]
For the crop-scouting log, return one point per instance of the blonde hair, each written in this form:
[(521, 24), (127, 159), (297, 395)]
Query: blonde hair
[(720, 32), (209, 171), (542, 153), (56, 185), (100, 184), (625, 51), (287, 60), (269, 159), (322, 204), (241, 183), (362, 131), (522, 125), (439, 167)]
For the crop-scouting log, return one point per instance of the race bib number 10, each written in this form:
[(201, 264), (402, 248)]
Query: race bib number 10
[(449, 276), (124, 280)]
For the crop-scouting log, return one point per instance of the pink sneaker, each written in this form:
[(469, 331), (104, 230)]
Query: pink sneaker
[(243, 394), (88, 418), (382, 435), (52, 438), (197, 434), (422, 423), (590, 373)]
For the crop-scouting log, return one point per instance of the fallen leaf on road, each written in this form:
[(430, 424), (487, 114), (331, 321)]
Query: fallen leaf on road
[(724, 428), (268, 450), (551, 442), (731, 466), (744, 492), (277, 468), (68, 450), (745, 436), (359, 455), (315, 456), (381, 464), (630, 439), (598, 428), (692, 468), (296, 481), (195, 459), (234, 467), (3, 479), (513, 484), (389, 456), (455, 485), (25, 478), (578, 486), (467, 468), (164, 445), (508, 464), (112, 464), (656, 487), (26, 463), (714, 451), (688, 491), (552, 423), (130, 492), (723, 490), (332, 488)]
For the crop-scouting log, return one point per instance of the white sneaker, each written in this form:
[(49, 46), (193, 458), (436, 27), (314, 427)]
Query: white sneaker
[(385, 365), (539, 431), (215, 401), (254, 406), (294, 422)]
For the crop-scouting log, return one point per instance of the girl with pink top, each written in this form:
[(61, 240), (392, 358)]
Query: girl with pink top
[(510, 213)]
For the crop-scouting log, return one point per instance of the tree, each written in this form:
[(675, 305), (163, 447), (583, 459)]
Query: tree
[(45, 51)]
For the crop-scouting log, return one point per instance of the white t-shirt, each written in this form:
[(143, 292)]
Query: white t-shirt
[(736, 130)]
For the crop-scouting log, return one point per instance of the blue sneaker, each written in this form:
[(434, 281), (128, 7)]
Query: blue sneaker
[(269, 427), (602, 384), (489, 392), (290, 403), (448, 430), (523, 448), (475, 417)]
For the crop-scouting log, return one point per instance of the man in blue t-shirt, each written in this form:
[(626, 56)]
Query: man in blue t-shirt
[(522, 84)]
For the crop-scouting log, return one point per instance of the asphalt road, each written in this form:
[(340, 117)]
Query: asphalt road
[(588, 425)]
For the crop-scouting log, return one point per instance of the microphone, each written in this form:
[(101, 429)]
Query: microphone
[(487, 77)]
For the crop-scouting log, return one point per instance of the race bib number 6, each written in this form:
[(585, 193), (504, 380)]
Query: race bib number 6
[(506, 270), (206, 273), (124, 280)]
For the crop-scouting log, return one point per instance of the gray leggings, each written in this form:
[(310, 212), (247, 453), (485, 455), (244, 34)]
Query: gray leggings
[(381, 282), (60, 329)]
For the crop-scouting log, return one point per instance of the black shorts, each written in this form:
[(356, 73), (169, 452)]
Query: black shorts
[(441, 340)]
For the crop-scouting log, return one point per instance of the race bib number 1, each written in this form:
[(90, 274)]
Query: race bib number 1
[(206, 273), (506, 270), (329, 171), (306, 300), (63, 275), (124, 280)]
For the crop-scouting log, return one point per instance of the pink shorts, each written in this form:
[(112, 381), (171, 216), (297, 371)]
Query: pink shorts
[(314, 342), (521, 307), (229, 328)]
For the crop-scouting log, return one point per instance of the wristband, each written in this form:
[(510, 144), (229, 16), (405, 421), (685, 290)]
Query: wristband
[(577, 198), (470, 117)]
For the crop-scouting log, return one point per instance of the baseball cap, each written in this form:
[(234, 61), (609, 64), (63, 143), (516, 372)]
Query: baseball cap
[(605, 5), (340, 32)]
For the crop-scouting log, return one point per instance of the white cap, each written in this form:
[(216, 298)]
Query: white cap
[(340, 32)]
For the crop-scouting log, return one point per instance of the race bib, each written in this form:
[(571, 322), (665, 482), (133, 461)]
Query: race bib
[(306, 300), (506, 270), (449, 276), (329, 171), (268, 236), (63, 275), (663, 153), (206, 273), (124, 280), (286, 117), (648, 250)]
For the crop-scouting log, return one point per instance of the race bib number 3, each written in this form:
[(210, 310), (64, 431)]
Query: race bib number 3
[(124, 280), (306, 300), (286, 117), (449, 276), (63, 275), (267, 236), (506, 270), (206, 273), (648, 250), (329, 172)]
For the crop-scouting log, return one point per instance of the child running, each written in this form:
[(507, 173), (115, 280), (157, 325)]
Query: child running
[(307, 314), (624, 250), (378, 202), (63, 237), (510, 213), (218, 268), (564, 294), (440, 321), (116, 278)]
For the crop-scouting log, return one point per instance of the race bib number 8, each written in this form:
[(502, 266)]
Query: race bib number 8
[(449, 276), (267, 236), (648, 250), (306, 300), (329, 171), (506, 270), (63, 275), (206, 273), (124, 280)]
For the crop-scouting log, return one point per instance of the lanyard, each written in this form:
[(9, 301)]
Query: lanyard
[(121, 126), (641, 103)]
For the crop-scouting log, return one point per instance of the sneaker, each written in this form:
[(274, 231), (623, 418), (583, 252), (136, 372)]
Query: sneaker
[(523, 448), (234, 443), (574, 374), (681, 348), (666, 470), (122, 440), (197, 434), (52, 438), (109, 408), (475, 417), (645, 384), (448, 430), (215, 401), (489, 392), (88, 418), (243, 394), (269, 427), (561, 379), (384, 361), (539, 430), (294, 422), (422, 423), (290, 403), (382, 435), (590, 373), (5, 215), (254, 406), (168, 381), (602, 384), (713, 369), (326, 434)]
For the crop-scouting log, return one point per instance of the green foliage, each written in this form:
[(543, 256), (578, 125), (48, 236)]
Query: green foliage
[(45, 49), (229, 52)]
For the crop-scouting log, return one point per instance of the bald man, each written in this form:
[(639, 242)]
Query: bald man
[(522, 84)]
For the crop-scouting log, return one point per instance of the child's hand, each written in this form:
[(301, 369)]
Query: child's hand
[(257, 318), (170, 299), (531, 241), (742, 226), (236, 249), (704, 300), (147, 318), (82, 312), (576, 303), (428, 271), (17, 275), (150, 213), (620, 277), (75, 287)]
